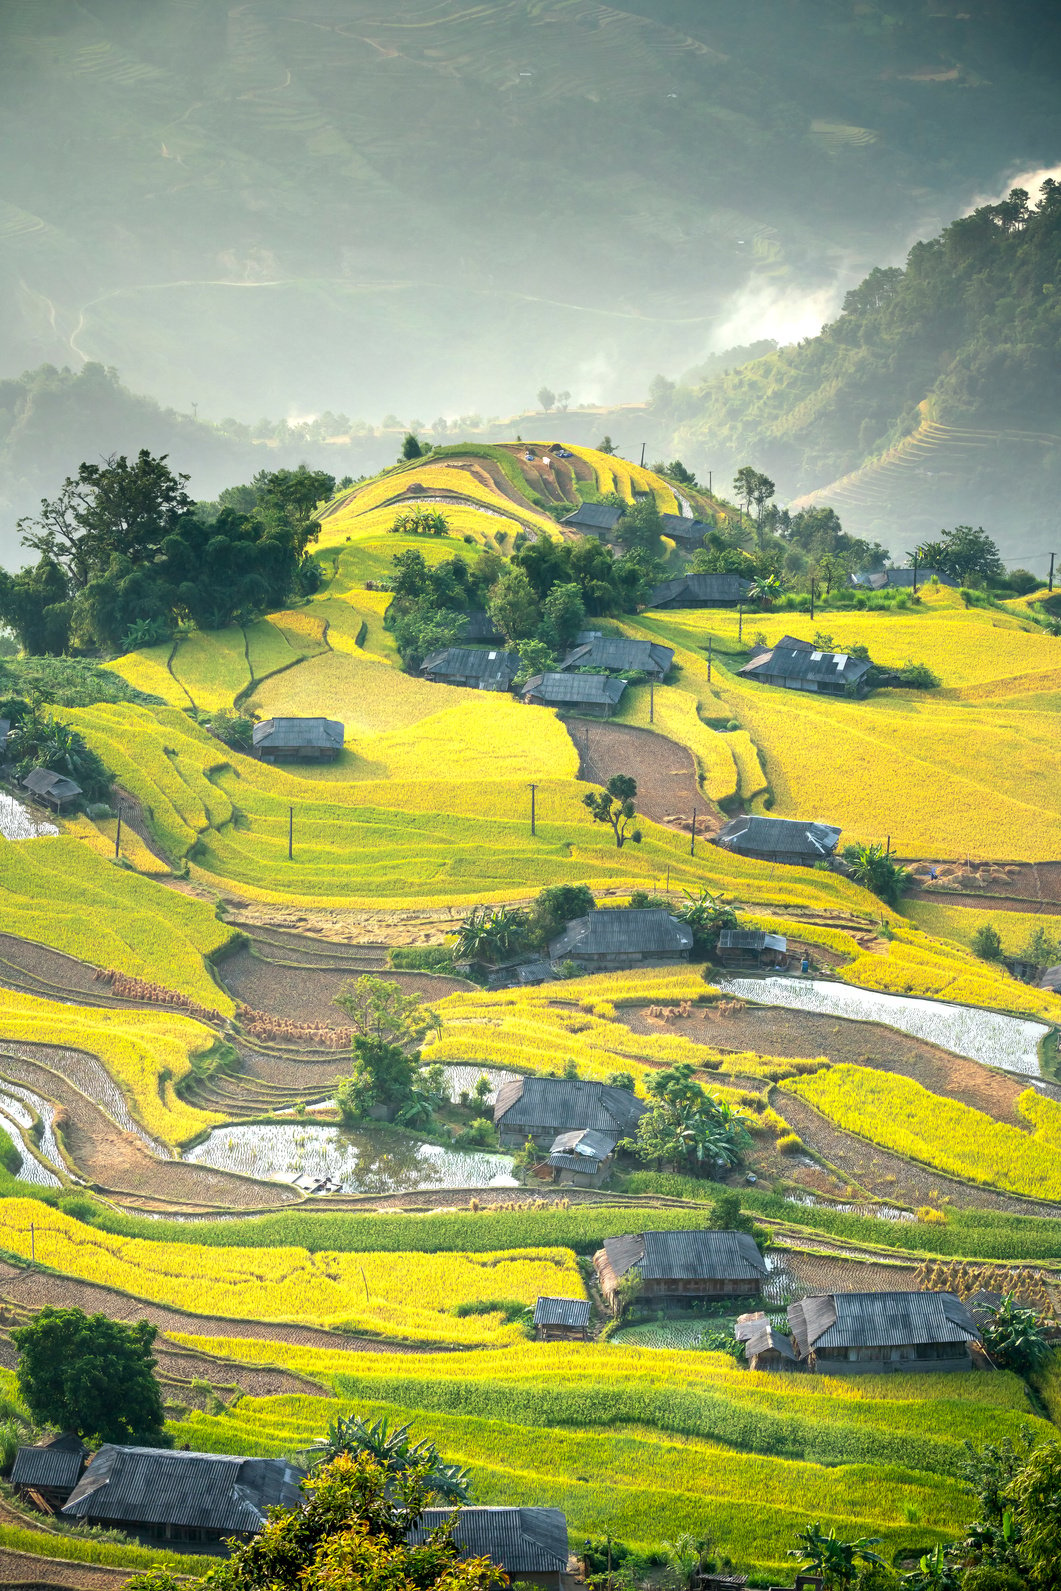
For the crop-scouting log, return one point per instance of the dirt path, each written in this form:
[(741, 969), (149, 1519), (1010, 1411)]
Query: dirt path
[(667, 787)]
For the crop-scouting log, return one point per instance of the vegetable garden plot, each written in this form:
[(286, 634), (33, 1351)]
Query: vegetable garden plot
[(1004, 1041)]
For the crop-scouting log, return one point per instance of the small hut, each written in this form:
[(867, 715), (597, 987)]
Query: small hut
[(528, 1544), (298, 739), (562, 1319), (764, 1348), (594, 519), (53, 787), (588, 695), (582, 1158), (752, 947), (48, 1472), (616, 937), (839, 1332)]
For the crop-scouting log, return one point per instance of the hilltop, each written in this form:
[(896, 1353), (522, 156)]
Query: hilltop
[(934, 393)]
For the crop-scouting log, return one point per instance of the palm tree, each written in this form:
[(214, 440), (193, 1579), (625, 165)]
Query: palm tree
[(764, 589), (394, 1453), (487, 935)]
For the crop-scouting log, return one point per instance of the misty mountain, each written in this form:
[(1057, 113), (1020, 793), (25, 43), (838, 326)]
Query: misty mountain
[(933, 397), (429, 206)]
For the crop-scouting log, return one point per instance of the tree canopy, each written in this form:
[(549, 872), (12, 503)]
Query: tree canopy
[(92, 1375)]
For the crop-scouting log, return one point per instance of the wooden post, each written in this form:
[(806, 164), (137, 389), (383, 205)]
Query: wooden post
[(709, 659), (692, 835), (32, 1243), (710, 493), (643, 446), (533, 790), (118, 836), (740, 622), (812, 583), (888, 847), (290, 832)]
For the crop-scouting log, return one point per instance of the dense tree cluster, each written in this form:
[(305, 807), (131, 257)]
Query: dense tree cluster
[(92, 1375), (125, 555)]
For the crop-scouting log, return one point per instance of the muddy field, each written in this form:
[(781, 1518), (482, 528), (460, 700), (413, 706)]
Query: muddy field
[(667, 787), (307, 994)]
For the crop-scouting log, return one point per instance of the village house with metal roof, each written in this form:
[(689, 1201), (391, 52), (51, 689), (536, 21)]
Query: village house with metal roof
[(561, 1319), (594, 519), (175, 1496), (682, 1267), (765, 1348), (49, 786), (528, 1544), (798, 666), (474, 667), (590, 695), (298, 739), (838, 1332), (615, 937), (899, 579), (793, 841), (617, 653), (49, 1470), (580, 1158), (540, 1108), (700, 591), (686, 533)]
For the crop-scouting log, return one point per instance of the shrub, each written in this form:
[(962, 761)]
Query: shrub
[(789, 1143)]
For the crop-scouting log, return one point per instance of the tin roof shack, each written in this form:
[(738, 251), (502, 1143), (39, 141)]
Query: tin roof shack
[(615, 652), (682, 1267), (752, 947), (685, 533), (898, 579), (181, 1497), (48, 1472), (562, 1319), (1051, 979), (589, 695), (789, 840), (764, 1348), (476, 668), (594, 519), (541, 1107), (479, 626), (298, 739), (797, 666), (581, 1158), (700, 591), (617, 937), (528, 1544), (839, 1332), (53, 787)]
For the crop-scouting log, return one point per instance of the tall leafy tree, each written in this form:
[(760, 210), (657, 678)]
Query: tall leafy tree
[(614, 805), (92, 1375)]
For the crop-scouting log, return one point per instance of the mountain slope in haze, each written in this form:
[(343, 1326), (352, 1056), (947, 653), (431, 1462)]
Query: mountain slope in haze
[(935, 395), (283, 206)]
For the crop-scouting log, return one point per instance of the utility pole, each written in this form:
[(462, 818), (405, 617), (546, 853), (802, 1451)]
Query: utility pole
[(652, 701), (692, 835), (710, 493), (118, 836), (709, 659), (290, 832), (195, 410), (915, 573), (643, 447), (740, 622), (32, 1243), (888, 846), (812, 595), (533, 791), (1050, 582)]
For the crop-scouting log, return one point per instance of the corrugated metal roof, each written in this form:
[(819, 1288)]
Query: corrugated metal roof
[(533, 972), (561, 1312), (832, 668), (594, 516), (55, 1464), (519, 1540), (566, 1103), (678, 528), (750, 939), (156, 1486), (564, 689), (479, 626), (616, 652), (1051, 979), (277, 733), (476, 663), (611, 930), (42, 781), (898, 579), (701, 590), (687, 1256), (583, 1164), (585, 1141), (816, 840), (764, 1339), (882, 1320)]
